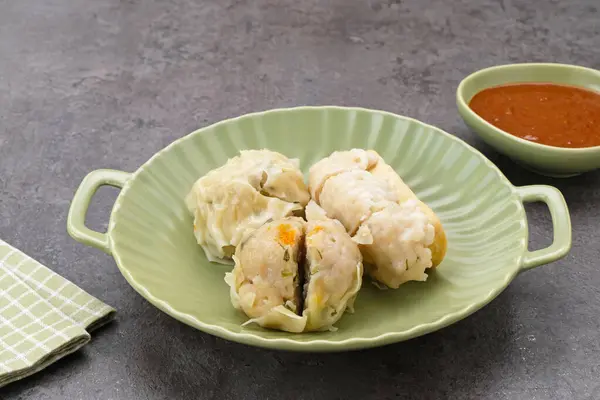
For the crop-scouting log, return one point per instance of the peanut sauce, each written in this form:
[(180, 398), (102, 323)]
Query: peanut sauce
[(546, 113)]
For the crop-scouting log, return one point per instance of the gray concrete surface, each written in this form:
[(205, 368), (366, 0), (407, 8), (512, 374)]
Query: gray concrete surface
[(87, 84)]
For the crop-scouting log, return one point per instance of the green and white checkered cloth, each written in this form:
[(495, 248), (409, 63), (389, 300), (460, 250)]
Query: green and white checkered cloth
[(43, 316)]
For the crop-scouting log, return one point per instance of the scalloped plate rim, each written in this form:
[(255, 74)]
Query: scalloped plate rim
[(317, 345)]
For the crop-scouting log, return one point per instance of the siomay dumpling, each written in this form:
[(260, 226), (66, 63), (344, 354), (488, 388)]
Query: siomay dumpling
[(383, 171), (332, 271), (398, 235), (396, 243), (266, 282), (233, 200), (296, 276)]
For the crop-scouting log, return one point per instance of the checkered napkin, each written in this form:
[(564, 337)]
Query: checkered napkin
[(43, 316)]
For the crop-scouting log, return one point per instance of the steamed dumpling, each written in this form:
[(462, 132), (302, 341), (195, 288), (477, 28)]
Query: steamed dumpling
[(296, 276), (395, 244), (266, 281), (333, 270), (383, 171), (398, 235), (233, 200)]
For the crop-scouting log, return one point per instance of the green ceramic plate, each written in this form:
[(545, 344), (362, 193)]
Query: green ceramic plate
[(151, 239)]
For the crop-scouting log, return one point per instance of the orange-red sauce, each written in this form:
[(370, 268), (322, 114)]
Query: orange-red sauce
[(555, 115)]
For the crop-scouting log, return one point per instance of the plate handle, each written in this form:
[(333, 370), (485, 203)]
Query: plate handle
[(81, 202), (561, 224)]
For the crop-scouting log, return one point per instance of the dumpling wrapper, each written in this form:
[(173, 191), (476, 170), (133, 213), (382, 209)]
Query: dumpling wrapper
[(383, 171), (395, 244), (269, 172), (336, 163), (231, 201), (352, 196), (333, 270), (265, 282), (224, 216)]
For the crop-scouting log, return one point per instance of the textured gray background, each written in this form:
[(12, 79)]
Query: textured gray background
[(87, 84)]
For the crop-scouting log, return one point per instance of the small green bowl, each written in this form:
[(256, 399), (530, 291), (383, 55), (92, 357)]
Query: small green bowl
[(546, 160)]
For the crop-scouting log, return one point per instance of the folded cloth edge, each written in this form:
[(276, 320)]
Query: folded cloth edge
[(95, 312), (58, 353)]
